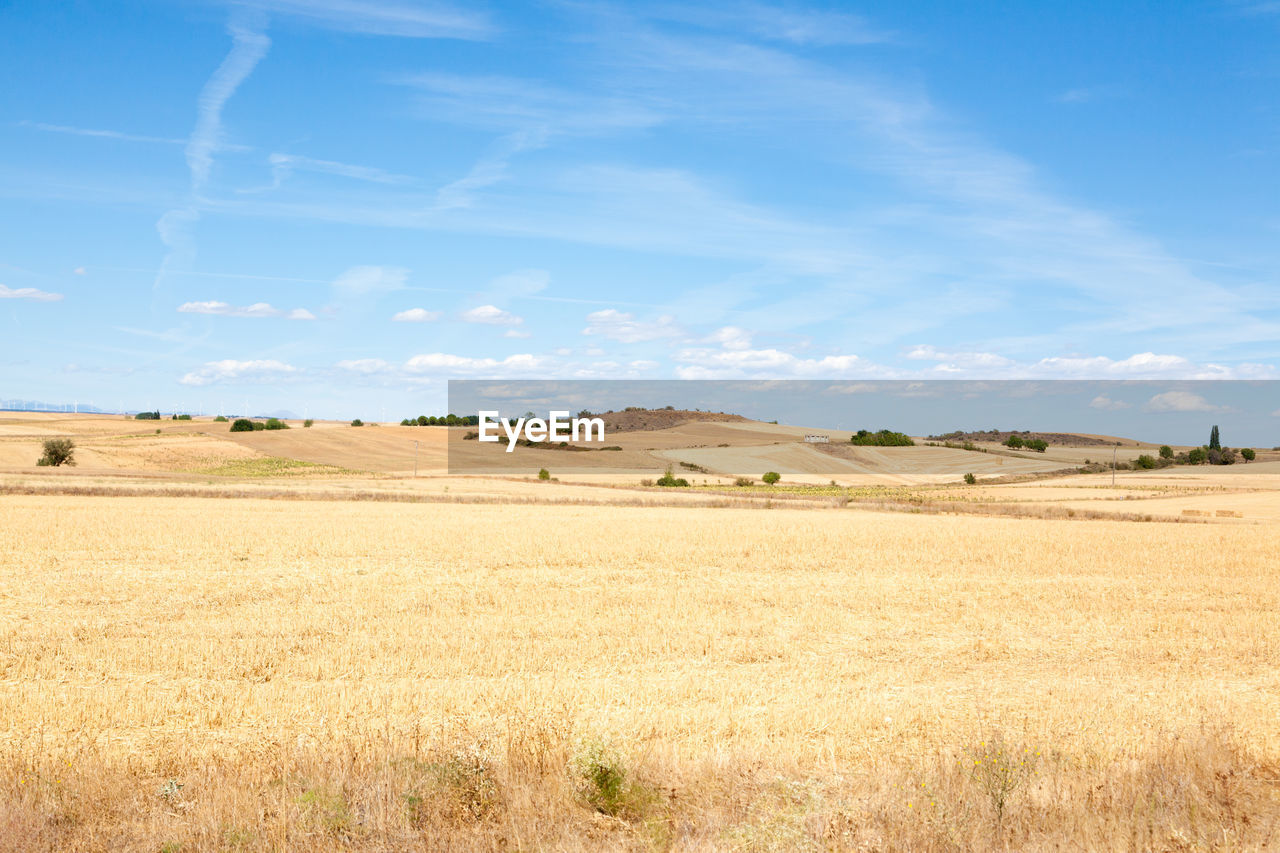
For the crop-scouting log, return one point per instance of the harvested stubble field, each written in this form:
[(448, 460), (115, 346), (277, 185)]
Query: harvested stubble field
[(198, 674)]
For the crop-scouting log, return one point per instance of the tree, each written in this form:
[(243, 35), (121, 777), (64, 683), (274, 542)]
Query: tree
[(242, 425), (1013, 441), (1248, 454), (771, 477), (970, 479), (147, 416), (357, 422), (307, 423), (275, 423), (1145, 461), (1166, 452), (58, 451), (1215, 442), (1197, 456), (544, 474)]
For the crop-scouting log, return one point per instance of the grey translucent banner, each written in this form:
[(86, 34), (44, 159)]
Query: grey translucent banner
[(813, 429)]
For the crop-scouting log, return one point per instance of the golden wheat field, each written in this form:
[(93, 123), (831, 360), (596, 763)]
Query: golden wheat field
[(211, 673)]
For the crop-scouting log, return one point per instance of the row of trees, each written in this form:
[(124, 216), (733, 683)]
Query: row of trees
[(447, 420), (1017, 442)]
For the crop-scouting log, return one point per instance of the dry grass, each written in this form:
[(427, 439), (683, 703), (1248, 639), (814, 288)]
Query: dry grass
[(252, 674)]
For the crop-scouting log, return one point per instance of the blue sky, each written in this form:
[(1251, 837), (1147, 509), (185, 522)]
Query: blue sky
[(334, 206)]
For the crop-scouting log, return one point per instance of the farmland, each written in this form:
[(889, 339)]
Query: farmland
[(338, 657)]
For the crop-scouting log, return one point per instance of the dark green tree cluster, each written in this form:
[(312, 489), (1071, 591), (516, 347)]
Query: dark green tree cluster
[(883, 438), (1017, 442), (446, 420), (147, 416)]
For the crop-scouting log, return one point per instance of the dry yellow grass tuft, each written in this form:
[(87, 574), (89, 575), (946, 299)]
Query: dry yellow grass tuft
[(251, 674)]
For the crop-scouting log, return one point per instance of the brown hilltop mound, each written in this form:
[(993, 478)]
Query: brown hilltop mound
[(634, 419), (1001, 436)]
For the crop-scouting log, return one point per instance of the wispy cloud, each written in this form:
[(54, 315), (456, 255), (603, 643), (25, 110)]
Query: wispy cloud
[(284, 165), (257, 310), (368, 280), (28, 293), (796, 25), (491, 315), (1102, 401), (405, 18), (101, 134), (248, 48), (416, 315), (959, 358), (625, 328), (227, 370), (1181, 401)]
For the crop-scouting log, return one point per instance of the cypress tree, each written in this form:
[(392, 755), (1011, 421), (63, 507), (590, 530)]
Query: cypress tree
[(1214, 442)]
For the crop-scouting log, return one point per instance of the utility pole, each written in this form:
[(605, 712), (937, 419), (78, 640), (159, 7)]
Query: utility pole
[(415, 460), (1114, 450)]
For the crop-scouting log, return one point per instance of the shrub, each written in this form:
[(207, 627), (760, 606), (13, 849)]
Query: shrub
[(669, 479), (220, 419), (1166, 452), (544, 474), (307, 423), (58, 451), (744, 481), (1248, 454), (970, 479), (357, 422), (147, 416), (771, 477), (275, 423), (1145, 461), (607, 786), (242, 425), (182, 417), (1197, 456), (1039, 445), (1014, 442)]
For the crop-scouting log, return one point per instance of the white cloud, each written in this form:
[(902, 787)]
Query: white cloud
[(769, 363), (624, 328), (365, 365), (439, 361), (78, 270), (957, 358), (730, 337), (516, 333), (1181, 401), (256, 310), (491, 315), (416, 315), (366, 280), (1102, 401), (28, 293), (262, 370)]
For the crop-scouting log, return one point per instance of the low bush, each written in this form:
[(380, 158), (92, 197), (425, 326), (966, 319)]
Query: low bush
[(275, 423), (307, 423), (220, 419), (744, 481), (544, 474), (242, 425), (669, 479), (771, 477), (357, 422), (970, 479)]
